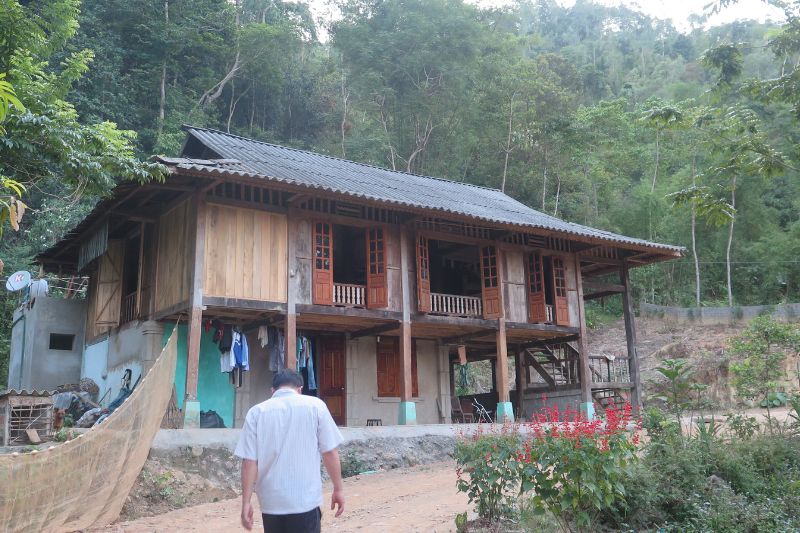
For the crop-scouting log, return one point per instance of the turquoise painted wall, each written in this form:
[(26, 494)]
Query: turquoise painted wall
[(214, 390)]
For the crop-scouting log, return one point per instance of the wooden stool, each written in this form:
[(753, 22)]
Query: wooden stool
[(374, 422)]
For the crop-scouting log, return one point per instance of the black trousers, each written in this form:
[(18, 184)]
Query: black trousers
[(308, 522)]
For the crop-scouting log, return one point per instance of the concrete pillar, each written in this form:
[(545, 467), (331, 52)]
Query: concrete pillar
[(443, 367), (352, 347), (153, 335)]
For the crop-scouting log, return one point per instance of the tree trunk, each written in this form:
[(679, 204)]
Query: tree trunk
[(162, 101), (558, 193), (508, 144), (343, 125), (655, 170), (730, 242), (694, 244), (544, 179)]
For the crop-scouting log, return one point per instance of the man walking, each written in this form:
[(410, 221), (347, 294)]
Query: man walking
[(280, 447)]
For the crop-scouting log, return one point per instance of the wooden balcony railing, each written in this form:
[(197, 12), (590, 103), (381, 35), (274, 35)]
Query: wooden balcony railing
[(128, 309), (453, 305), (609, 369), (548, 309), (349, 295)]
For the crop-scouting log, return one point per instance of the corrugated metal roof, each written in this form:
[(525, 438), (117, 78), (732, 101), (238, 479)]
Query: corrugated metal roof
[(25, 392), (251, 158)]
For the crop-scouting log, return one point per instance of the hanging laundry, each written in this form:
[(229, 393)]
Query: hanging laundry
[(241, 355), (263, 335), (276, 349), (305, 359)]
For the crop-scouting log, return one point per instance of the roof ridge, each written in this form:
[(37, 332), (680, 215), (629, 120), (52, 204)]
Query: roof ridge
[(188, 127)]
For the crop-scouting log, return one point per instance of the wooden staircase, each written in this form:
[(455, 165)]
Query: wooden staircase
[(559, 366)]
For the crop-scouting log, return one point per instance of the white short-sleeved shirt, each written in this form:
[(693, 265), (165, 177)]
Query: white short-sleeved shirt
[(286, 435)]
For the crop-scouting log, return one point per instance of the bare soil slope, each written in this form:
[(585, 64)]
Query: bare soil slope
[(419, 499)]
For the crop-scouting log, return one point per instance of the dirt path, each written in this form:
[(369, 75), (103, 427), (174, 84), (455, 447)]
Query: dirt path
[(420, 499)]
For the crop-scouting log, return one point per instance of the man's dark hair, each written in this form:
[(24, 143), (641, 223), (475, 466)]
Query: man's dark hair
[(287, 377)]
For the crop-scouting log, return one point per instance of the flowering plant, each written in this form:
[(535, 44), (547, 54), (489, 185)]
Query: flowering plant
[(488, 470), (575, 467)]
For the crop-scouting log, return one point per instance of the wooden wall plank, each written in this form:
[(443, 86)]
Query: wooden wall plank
[(172, 272), (246, 254)]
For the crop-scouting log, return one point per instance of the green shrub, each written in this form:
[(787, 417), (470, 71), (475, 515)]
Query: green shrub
[(488, 471)]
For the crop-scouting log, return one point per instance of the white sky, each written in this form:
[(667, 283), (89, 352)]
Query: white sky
[(677, 10)]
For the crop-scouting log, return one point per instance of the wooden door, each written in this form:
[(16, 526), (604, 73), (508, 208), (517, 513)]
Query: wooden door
[(423, 275), (490, 283), (108, 298), (537, 312), (377, 284), (322, 292), (560, 302), (332, 377)]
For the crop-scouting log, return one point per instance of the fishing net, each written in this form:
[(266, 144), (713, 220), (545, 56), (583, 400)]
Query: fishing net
[(84, 482)]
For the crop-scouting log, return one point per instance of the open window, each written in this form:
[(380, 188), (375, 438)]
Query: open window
[(349, 266), (547, 289), (449, 278)]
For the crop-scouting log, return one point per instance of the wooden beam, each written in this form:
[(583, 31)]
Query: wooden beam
[(406, 388), (241, 303), (583, 349), (542, 372), (613, 385), (290, 326), (181, 307), (459, 339), (606, 287), (502, 361), (630, 337), (375, 330), (520, 383), (314, 309), (196, 300), (545, 328)]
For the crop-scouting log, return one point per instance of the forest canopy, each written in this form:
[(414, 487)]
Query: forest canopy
[(598, 115)]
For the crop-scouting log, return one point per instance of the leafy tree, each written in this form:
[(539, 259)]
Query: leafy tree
[(761, 351)]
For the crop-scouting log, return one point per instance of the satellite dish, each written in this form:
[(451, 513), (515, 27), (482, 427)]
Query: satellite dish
[(18, 280)]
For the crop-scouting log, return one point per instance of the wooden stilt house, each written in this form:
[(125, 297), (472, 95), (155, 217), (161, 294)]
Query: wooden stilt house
[(393, 279)]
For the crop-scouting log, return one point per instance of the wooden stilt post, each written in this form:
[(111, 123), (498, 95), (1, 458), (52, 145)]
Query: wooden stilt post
[(191, 405), (408, 410), (505, 411), (520, 381), (587, 401), (290, 326), (630, 337)]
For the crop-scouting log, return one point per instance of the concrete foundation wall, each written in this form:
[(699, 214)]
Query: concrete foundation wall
[(720, 315), (134, 346), (533, 402), (33, 364)]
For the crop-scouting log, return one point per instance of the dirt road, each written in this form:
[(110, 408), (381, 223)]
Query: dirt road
[(420, 499)]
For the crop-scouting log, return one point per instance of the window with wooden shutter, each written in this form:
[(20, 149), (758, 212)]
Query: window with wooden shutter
[(490, 283), (560, 302), (377, 285), (322, 293), (423, 275), (537, 311), (389, 363)]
